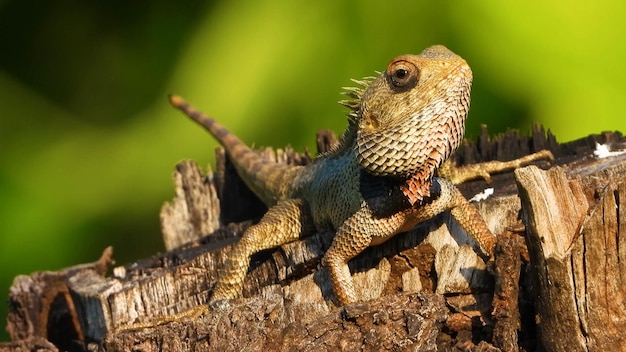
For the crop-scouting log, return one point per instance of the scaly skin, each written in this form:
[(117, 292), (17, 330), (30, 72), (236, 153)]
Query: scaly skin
[(377, 182)]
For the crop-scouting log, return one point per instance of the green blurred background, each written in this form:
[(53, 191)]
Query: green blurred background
[(88, 141)]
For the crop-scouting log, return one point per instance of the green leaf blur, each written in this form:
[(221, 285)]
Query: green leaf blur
[(88, 141)]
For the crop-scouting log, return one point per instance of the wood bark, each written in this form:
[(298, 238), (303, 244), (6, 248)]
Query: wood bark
[(557, 282), (578, 257)]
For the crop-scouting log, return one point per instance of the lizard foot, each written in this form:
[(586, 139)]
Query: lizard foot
[(192, 313)]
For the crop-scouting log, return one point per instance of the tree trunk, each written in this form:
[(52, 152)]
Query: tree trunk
[(558, 281)]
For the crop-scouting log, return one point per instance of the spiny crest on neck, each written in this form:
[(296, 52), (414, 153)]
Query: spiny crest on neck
[(354, 94), (353, 102)]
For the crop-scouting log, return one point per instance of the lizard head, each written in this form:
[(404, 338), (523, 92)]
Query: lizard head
[(412, 116)]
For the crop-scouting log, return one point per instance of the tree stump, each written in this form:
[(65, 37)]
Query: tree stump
[(557, 282)]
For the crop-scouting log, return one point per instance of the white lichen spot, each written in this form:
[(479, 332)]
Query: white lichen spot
[(602, 151), (479, 197)]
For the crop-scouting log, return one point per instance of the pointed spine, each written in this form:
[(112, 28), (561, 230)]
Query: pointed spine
[(354, 94)]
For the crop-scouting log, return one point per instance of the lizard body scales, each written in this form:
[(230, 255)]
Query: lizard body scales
[(378, 181)]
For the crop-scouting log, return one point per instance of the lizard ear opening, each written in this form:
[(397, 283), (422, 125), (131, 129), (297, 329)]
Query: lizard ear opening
[(402, 75)]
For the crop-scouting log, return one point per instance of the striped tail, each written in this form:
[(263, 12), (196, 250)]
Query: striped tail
[(269, 180)]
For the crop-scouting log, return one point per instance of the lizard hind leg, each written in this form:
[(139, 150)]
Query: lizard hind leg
[(283, 223)]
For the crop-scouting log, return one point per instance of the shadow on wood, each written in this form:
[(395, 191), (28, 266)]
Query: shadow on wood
[(557, 281)]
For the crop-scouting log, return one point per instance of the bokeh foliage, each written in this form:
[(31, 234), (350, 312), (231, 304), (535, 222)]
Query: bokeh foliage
[(88, 141)]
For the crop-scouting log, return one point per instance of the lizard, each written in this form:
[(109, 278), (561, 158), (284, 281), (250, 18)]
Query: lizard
[(388, 172)]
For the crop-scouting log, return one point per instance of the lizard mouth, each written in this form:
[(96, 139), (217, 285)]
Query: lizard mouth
[(403, 146), (410, 148), (416, 129), (416, 156)]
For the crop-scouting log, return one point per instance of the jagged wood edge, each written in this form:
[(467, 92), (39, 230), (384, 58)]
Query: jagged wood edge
[(279, 262), (557, 151), (574, 146), (579, 261)]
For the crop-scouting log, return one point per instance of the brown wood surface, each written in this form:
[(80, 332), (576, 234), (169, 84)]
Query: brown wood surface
[(557, 281)]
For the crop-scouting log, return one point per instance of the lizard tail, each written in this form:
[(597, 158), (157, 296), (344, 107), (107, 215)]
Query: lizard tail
[(269, 180)]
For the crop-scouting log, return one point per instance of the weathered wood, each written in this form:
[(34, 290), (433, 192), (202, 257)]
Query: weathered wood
[(505, 301), (42, 307), (399, 322), (290, 304), (33, 343), (577, 259), (195, 209)]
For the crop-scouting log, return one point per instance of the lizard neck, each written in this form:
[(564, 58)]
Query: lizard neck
[(346, 142)]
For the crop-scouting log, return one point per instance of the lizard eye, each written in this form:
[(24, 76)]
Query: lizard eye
[(403, 75)]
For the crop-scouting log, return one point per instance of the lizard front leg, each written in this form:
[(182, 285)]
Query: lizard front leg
[(363, 229), (352, 237), (459, 174), (285, 222)]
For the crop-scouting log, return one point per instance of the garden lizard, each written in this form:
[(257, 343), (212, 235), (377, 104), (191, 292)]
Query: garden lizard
[(379, 180)]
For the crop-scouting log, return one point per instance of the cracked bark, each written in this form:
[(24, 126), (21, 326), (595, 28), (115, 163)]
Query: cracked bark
[(579, 260), (428, 289)]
